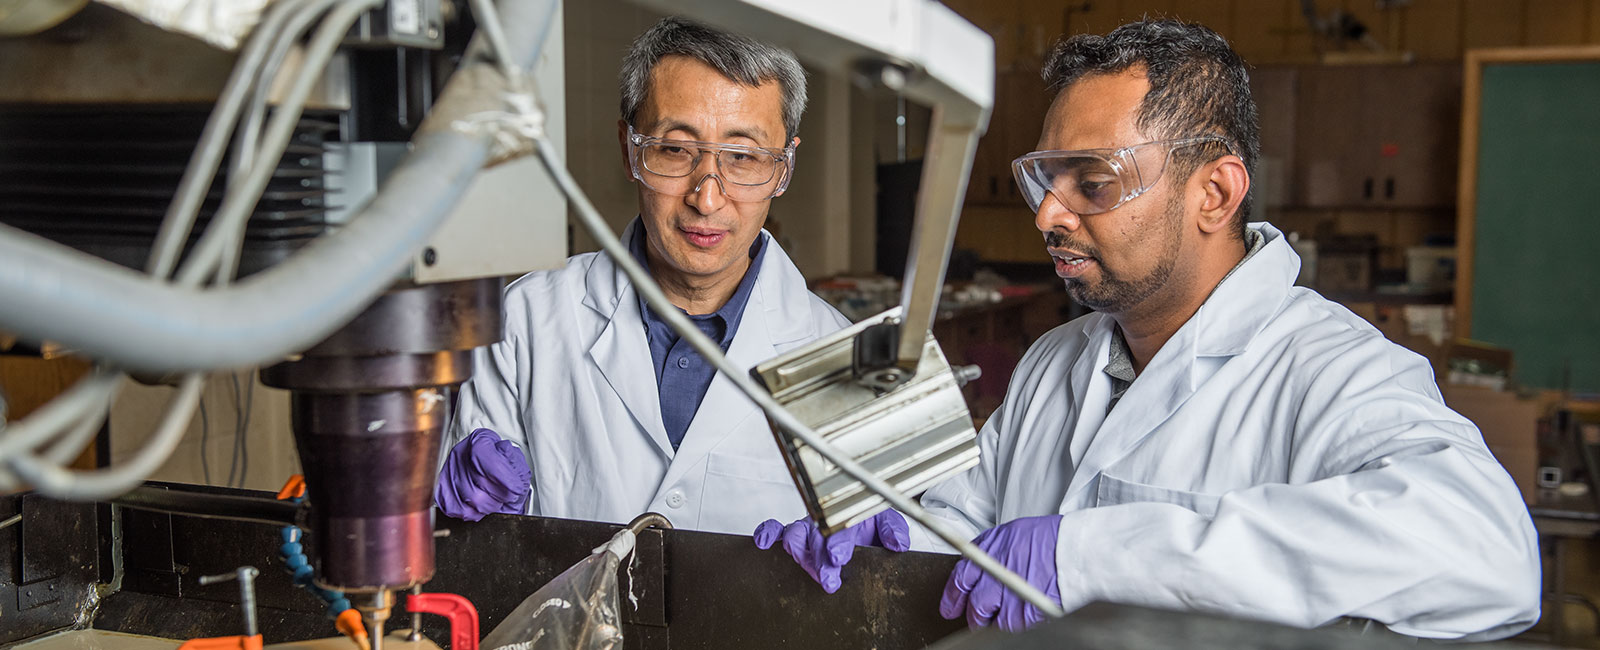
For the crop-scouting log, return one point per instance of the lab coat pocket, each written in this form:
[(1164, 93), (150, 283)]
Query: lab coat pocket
[(741, 492), (1115, 491)]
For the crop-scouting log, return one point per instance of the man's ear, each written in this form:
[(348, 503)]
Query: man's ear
[(622, 141), (1226, 184)]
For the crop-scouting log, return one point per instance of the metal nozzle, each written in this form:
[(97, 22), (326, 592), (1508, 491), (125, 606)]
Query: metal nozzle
[(246, 575)]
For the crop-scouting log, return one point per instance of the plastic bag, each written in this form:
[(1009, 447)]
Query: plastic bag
[(576, 611)]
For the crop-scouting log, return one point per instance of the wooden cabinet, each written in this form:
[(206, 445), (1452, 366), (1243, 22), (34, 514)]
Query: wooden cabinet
[(1376, 136), (1274, 89), (1020, 103)]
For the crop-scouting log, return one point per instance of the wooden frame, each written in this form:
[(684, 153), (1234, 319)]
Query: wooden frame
[(1471, 115)]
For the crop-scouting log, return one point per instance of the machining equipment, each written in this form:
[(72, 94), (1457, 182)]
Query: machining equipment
[(95, 150), (365, 295)]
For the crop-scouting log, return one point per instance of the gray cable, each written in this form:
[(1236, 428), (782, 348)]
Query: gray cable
[(20, 436), (488, 19), (233, 458), (67, 447), (244, 430), (63, 283), (246, 140), (59, 483), (105, 311), (709, 350), (202, 168), (242, 197), (91, 397), (98, 395), (205, 435)]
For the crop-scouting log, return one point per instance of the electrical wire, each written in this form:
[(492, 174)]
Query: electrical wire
[(246, 141), (233, 455), (60, 483), (202, 167), (66, 409), (205, 435), (488, 19), (244, 430), (89, 400), (590, 217), (242, 198), (84, 407), (67, 447)]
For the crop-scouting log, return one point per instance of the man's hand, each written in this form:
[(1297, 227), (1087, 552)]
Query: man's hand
[(483, 474), (1026, 546), (824, 558)]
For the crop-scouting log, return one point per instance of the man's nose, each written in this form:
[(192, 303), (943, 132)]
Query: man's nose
[(709, 195), (1054, 214)]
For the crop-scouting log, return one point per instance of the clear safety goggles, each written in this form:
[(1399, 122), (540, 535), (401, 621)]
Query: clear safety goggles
[(1091, 181), (745, 173)]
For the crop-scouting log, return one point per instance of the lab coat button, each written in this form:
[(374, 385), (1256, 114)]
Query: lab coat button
[(675, 499)]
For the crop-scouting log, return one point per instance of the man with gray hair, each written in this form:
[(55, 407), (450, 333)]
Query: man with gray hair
[(593, 407)]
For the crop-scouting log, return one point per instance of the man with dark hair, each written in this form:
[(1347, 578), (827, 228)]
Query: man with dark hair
[(1214, 438), (593, 407)]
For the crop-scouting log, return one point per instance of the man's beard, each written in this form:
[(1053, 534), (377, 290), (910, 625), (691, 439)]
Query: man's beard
[(1114, 294)]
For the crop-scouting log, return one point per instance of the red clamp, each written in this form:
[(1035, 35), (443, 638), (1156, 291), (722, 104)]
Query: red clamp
[(463, 616)]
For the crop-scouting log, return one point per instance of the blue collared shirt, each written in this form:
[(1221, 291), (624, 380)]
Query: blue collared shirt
[(682, 375)]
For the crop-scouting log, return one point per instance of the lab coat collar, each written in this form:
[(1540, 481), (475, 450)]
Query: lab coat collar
[(778, 313), (779, 290), (1225, 324), (622, 351), (1247, 300)]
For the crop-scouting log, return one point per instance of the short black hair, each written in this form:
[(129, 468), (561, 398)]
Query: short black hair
[(1198, 86)]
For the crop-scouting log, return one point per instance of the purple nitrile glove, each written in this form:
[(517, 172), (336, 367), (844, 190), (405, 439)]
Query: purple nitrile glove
[(483, 474), (1026, 546), (822, 558)]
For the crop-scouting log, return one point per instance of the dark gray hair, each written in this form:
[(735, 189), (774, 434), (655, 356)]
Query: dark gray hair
[(738, 58), (1198, 86)]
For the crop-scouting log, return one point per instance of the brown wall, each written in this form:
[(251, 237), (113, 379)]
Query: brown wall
[(1267, 33), (1272, 31)]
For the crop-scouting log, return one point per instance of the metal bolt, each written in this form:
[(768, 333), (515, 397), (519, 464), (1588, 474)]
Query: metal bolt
[(433, 32), (429, 256)]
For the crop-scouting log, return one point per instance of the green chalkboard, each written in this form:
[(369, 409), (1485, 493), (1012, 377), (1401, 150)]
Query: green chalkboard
[(1536, 248)]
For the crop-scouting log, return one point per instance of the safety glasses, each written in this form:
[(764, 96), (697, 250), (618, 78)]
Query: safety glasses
[(745, 173), (1091, 181)]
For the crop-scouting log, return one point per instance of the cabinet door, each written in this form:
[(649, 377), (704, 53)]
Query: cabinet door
[(1274, 89), (1019, 108), (1417, 112), (1023, 124), (1377, 136), (1330, 126)]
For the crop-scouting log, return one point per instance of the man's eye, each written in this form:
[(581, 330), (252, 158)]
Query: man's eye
[(1092, 188), (676, 151)]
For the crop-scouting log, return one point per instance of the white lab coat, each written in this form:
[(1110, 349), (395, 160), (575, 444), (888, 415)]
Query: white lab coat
[(572, 385), (1278, 459)]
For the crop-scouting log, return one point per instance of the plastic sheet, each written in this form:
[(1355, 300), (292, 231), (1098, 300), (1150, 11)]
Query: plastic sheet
[(577, 611)]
